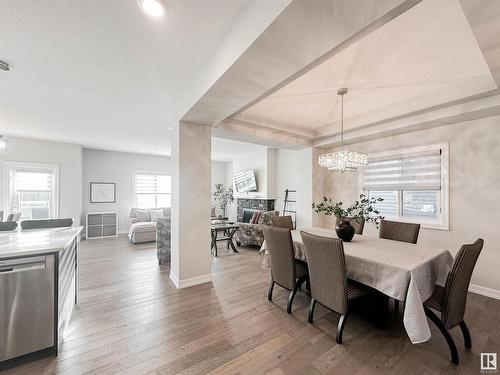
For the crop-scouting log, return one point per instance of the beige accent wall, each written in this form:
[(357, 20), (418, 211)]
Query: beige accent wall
[(474, 189)]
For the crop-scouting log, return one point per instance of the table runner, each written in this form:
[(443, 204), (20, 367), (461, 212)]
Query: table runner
[(400, 270)]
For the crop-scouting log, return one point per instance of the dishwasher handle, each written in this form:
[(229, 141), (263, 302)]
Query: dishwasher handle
[(27, 265)]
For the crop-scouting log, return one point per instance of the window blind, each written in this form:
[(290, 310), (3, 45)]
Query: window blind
[(33, 181), (412, 171), (152, 184)]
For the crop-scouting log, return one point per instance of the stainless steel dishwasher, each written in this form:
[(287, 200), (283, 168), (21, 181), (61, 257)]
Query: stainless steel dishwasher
[(26, 305)]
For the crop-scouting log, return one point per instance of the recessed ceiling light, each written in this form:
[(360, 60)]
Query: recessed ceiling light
[(4, 66), (154, 8), (170, 128)]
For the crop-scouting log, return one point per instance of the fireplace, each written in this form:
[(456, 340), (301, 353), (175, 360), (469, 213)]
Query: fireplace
[(247, 214), (250, 205)]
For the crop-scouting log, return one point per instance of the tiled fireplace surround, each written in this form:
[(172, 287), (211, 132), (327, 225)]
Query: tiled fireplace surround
[(250, 205)]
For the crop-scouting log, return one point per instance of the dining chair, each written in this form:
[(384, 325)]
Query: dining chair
[(451, 299), (328, 277), (1, 216), (398, 231), (282, 222), (46, 223), (286, 271), (358, 224), (7, 226)]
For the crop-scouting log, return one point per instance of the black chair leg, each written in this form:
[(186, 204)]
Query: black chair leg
[(270, 292), (291, 297), (340, 328), (311, 310), (466, 333), (396, 306), (446, 334)]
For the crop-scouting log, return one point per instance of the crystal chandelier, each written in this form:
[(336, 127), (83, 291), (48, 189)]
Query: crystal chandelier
[(343, 160)]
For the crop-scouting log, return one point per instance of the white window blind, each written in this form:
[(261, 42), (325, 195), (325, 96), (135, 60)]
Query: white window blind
[(413, 184), (414, 171), (152, 190)]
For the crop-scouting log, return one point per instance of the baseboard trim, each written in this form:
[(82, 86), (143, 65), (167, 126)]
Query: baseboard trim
[(487, 292), (186, 283)]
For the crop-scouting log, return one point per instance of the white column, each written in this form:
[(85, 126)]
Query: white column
[(191, 179)]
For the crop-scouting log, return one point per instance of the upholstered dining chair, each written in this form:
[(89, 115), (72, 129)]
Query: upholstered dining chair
[(358, 224), (7, 226), (398, 231), (328, 277), (1, 215), (282, 222), (286, 271), (451, 299), (46, 223)]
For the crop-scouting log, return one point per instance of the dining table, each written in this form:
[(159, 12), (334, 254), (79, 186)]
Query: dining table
[(404, 271)]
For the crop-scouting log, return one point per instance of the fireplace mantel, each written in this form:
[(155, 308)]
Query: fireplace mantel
[(260, 204)]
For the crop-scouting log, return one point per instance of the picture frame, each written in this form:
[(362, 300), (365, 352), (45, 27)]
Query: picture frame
[(102, 192)]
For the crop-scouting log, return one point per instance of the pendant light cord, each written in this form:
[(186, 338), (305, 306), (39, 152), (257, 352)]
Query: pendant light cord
[(342, 121)]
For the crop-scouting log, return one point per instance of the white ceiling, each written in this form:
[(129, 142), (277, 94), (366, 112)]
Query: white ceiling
[(426, 56), (102, 73), (224, 149)]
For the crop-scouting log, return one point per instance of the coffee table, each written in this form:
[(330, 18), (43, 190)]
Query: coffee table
[(227, 230)]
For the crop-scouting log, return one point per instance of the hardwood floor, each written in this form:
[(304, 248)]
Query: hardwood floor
[(132, 320)]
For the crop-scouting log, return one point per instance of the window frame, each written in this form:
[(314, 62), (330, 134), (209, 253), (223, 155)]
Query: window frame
[(8, 165), (443, 220), (152, 173)]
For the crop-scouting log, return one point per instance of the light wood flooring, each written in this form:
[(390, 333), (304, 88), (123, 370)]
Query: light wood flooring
[(132, 320)]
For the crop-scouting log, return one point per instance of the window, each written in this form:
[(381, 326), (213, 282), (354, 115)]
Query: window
[(152, 190), (33, 190), (413, 184)]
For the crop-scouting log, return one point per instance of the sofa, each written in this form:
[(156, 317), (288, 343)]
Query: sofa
[(251, 234), (143, 228)]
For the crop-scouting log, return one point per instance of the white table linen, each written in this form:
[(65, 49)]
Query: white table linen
[(404, 271)]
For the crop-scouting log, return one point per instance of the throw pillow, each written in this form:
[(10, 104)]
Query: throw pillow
[(142, 215), (155, 214), (266, 217), (255, 217)]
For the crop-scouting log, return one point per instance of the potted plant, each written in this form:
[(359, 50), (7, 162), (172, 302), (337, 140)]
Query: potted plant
[(223, 197), (362, 209)]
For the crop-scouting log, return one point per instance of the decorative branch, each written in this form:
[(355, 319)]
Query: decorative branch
[(362, 209), (223, 196)]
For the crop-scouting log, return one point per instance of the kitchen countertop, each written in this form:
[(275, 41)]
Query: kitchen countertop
[(36, 241)]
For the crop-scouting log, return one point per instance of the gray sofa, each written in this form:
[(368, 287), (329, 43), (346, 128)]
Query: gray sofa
[(143, 231)]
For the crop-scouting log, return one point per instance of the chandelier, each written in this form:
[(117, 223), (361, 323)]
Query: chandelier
[(343, 160)]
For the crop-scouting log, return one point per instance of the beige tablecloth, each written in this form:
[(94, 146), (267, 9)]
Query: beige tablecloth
[(403, 271)]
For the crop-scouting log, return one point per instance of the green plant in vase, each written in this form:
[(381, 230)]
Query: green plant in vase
[(362, 209), (223, 197)]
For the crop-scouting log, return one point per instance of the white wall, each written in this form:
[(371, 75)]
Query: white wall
[(294, 172), (67, 156), (219, 171), (263, 162), (474, 190), (117, 167)]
